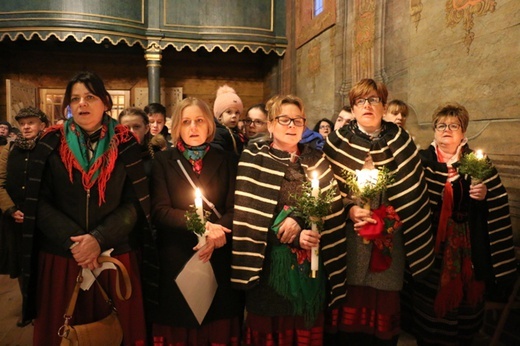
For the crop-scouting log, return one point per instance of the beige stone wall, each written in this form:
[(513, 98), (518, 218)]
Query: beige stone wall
[(428, 53)]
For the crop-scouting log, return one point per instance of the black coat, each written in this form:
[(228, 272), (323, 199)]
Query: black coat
[(172, 195)]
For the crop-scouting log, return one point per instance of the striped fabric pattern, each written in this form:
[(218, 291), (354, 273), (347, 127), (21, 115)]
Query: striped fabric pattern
[(500, 231), (347, 149), (260, 173)]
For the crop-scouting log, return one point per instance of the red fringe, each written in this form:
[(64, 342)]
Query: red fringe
[(105, 163), (448, 297)]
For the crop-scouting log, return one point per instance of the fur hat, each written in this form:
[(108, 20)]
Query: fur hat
[(226, 98)]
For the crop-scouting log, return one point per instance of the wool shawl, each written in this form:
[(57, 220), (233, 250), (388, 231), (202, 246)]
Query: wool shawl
[(497, 220), (260, 174), (128, 153), (394, 149)]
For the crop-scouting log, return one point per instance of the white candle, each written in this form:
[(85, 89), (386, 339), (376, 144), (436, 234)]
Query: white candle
[(315, 254), (198, 205), (479, 154), (315, 185), (200, 213)]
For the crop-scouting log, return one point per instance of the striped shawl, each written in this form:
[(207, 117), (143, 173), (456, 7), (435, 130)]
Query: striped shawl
[(260, 173), (347, 149), (496, 223)]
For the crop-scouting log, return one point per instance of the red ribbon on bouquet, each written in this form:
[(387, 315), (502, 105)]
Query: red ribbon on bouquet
[(381, 236)]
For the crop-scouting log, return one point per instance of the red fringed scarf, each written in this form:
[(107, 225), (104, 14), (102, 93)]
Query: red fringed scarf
[(457, 274), (104, 164)]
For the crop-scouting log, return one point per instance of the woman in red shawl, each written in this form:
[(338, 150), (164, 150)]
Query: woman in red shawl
[(92, 192)]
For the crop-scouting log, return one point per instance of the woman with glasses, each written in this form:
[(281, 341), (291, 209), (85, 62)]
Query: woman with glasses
[(376, 255), (324, 127), (272, 240), (473, 238), (256, 121)]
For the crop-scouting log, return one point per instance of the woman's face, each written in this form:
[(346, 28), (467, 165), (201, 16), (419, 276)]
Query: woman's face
[(157, 122), (369, 113), (256, 122), (396, 117), (135, 123), (448, 139), (87, 109), (324, 129), (194, 126), (286, 137), (343, 119)]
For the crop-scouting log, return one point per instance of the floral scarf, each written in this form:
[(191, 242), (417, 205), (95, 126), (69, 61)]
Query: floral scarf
[(194, 154), (93, 155), (457, 281)]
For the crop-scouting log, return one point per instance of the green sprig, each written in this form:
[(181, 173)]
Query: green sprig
[(310, 208), (193, 221), (370, 191), (477, 168)]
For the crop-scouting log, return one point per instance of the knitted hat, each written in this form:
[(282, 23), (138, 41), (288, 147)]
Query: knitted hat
[(226, 98)]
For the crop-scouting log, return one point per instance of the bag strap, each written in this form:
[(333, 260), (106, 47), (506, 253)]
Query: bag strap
[(79, 279), (211, 205)]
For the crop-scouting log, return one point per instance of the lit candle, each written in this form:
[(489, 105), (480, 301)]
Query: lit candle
[(198, 204), (479, 154), (315, 185), (366, 177), (200, 213)]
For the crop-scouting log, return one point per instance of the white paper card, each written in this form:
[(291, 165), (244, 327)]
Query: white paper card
[(198, 285), (88, 275)]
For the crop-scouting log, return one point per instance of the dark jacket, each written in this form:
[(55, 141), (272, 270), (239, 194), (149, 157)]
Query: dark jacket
[(172, 195), (57, 209)]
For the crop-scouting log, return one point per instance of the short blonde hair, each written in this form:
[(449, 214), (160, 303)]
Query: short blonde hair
[(452, 109), (177, 118), (274, 105)]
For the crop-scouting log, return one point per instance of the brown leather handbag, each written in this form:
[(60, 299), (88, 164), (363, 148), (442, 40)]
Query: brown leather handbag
[(106, 331)]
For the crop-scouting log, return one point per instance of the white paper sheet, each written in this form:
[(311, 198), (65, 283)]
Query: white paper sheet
[(198, 285), (88, 275)]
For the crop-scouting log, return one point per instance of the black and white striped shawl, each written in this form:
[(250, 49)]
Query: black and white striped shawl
[(260, 173), (347, 149), (499, 229)]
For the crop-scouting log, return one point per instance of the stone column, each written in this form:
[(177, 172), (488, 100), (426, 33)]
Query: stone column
[(153, 57)]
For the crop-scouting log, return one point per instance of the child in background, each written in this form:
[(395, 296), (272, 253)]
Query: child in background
[(396, 112), (227, 109)]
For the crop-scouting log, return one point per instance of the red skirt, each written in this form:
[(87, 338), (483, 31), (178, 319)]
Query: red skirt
[(216, 333), (56, 281), (367, 310), (282, 331)]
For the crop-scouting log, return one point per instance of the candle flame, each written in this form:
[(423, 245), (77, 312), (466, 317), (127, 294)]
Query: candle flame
[(479, 154), (197, 193), (314, 175)]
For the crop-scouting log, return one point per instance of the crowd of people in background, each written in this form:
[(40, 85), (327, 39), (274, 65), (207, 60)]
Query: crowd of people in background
[(93, 186)]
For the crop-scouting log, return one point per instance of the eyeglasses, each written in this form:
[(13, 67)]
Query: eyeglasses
[(254, 122), (442, 127), (323, 127), (286, 121), (360, 102)]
